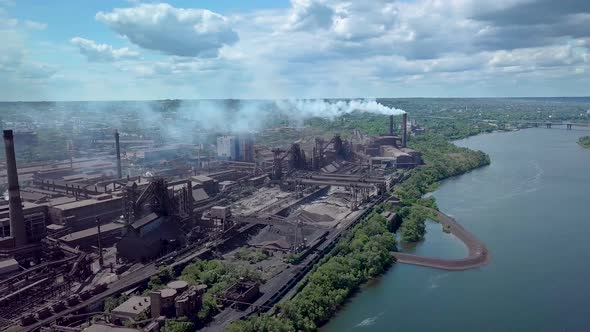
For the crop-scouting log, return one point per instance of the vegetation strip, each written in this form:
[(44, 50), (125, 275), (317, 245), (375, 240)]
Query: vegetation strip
[(585, 141)]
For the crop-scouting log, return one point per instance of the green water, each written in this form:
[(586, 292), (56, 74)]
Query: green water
[(531, 207)]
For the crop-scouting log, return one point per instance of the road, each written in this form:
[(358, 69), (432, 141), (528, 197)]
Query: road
[(478, 253)]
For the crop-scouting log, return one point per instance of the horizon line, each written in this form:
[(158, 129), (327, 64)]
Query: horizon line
[(271, 99)]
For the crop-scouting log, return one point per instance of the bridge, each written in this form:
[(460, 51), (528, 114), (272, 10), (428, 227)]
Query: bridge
[(550, 124)]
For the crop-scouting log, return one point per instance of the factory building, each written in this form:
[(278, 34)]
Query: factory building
[(236, 148), (227, 147), (132, 308), (82, 214), (241, 293), (149, 237), (178, 299), (35, 220), (85, 239), (209, 185)]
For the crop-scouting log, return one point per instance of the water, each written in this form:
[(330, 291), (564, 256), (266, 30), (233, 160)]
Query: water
[(531, 207)]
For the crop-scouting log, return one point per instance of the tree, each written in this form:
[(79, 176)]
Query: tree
[(178, 326)]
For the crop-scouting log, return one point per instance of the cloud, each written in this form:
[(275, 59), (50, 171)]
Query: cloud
[(173, 31), (33, 25), (16, 64), (309, 14), (102, 52), (539, 57), (328, 48)]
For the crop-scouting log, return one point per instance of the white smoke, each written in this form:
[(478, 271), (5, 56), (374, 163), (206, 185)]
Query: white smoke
[(326, 109), (252, 115)]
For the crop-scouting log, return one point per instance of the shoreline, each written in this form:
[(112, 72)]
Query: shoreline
[(478, 255)]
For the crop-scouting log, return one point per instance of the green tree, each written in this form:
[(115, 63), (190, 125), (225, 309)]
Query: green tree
[(178, 326)]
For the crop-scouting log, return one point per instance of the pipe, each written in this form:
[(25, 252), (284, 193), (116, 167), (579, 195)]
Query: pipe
[(118, 151), (404, 129), (391, 125), (17, 219)]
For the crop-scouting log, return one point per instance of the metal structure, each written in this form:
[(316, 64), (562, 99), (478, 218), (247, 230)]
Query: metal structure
[(17, 219), (118, 152), (404, 130), (391, 125), (159, 198), (277, 163)]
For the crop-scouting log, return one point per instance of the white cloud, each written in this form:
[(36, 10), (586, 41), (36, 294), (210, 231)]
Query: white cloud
[(309, 14), (33, 25), (174, 31), (16, 63), (332, 48), (102, 52), (538, 57)]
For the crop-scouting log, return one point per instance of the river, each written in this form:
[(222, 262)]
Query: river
[(531, 207)]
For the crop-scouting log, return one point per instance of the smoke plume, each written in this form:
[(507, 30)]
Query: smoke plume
[(235, 116), (327, 109)]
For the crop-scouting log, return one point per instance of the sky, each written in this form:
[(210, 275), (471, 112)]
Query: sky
[(269, 49)]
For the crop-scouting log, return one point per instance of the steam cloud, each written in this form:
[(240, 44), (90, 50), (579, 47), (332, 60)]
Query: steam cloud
[(187, 120), (246, 116), (322, 108)]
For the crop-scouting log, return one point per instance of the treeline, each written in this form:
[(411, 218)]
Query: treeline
[(442, 160), (363, 253)]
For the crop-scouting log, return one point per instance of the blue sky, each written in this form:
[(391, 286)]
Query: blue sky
[(101, 50)]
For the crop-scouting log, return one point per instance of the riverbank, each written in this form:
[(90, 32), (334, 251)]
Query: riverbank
[(584, 141), (511, 206), (478, 254), (365, 252)]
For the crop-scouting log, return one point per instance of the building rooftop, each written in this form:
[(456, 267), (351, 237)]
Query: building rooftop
[(8, 263), (201, 178), (177, 284), (200, 195), (139, 223), (134, 306), (91, 232), (84, 203), (168, 292), (108, 328)]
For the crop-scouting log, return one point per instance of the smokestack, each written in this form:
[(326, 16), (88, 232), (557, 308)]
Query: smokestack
[(118, 151), (404, 129), (391, 125), (17, 219)]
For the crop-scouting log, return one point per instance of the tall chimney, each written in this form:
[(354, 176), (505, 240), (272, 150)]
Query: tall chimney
[(17, 219), (118, 151), (404, 130), (391, 125)]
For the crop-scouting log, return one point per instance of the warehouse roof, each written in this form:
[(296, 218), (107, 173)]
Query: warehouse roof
[(134, 306), (200, 195), (139, 223), (91, 232), (201, 178), (108, 328)]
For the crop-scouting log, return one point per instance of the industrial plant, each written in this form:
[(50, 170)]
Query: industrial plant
[(108, 219)]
